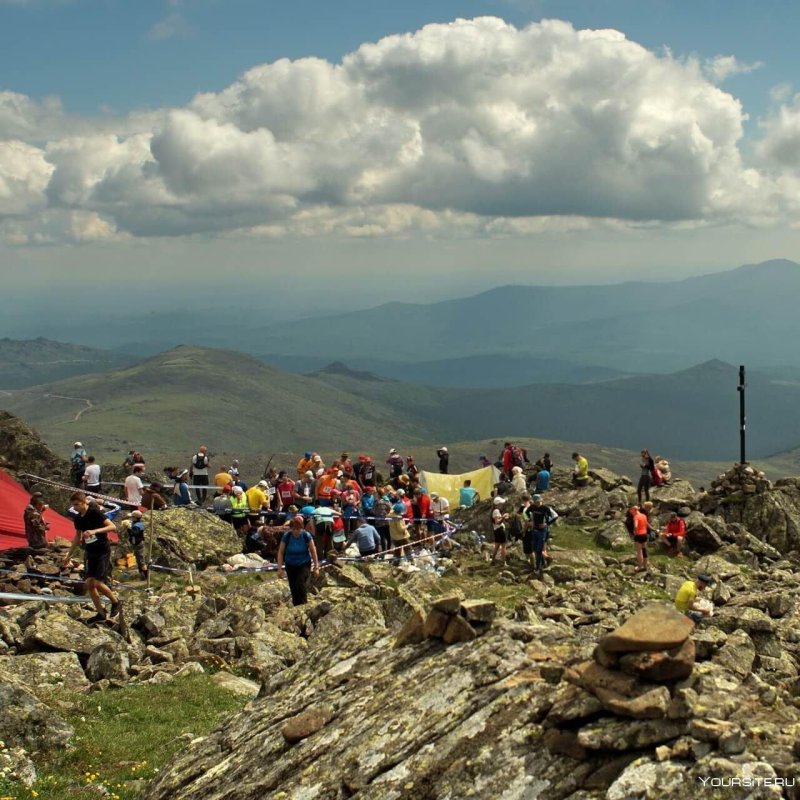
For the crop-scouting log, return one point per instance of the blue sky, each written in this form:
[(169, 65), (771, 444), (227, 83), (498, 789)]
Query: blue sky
[(166, 139), (101, 54)]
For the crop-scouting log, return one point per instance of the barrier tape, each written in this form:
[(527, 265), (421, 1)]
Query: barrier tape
[(45, 598), (115, 500), (60, 579)]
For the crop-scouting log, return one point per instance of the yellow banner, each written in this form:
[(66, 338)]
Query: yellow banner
[(483, 480)]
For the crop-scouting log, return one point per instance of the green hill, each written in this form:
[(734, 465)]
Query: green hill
[(29, 362)]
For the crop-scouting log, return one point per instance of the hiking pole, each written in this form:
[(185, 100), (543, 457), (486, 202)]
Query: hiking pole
[(741, 388), (150, 550)]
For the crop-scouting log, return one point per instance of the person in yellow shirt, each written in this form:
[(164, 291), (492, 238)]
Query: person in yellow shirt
[(257, 501), (580, 475), (686, 598), (222, 478)]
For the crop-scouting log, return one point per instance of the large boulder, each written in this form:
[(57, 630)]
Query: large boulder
[(185, 536), (28, 723), (44, 673), (656, 627), (58, 631), (773, 516)]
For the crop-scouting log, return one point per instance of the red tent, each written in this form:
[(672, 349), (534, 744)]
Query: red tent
[(13, 499)]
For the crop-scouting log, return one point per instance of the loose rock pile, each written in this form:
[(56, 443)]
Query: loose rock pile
[(740, 479)]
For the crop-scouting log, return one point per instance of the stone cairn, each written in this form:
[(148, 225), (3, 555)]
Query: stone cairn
[(740, 479), (451, 619), (629, 697)]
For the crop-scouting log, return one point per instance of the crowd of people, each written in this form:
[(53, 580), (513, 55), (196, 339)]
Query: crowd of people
[(291, 517)]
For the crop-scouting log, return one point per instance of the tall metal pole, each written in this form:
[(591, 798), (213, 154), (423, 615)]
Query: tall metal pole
[(741, 389)]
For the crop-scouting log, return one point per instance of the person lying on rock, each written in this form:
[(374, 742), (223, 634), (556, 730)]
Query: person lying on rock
[(688, 602)]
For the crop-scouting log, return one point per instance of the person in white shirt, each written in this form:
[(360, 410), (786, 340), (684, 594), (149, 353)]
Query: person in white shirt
[(134, 486), (440, 511), (91, 475)]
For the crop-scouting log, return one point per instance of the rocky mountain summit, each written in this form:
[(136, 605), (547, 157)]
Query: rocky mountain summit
[(471, 680)]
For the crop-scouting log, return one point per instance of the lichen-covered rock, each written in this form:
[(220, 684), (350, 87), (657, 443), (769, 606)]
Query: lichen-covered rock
[(26, 722), (108, 660), (44, 673), (57, 631), (191, 536)]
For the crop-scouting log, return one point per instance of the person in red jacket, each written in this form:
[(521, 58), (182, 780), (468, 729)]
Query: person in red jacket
[(423, 504), (508, 459), (673, 535)]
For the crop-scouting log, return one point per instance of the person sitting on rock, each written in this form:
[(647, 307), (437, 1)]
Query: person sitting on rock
[(673, 535), (687, 602), (580, 475), (468, 495)]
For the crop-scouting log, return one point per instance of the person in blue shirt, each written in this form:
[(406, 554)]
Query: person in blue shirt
[(467, 496), (542, 480), (367, 538), (297, 555)]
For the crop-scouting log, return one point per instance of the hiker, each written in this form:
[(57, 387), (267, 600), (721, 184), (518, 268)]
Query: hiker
[(136, 538), (662, 465), (499, 529), (322, 518), (367, 473), (151, 497), (222, 478), (346, 465), (91, 475), (444, 460), (673, 535), (221, 505), (284, 493), (134, 485), (239, 509), (484, 461), (422, 511), (180, 492), (398, 532), (304, 489), (35, 526), (544, 463), (517, 479), (233, 470), (367, 538), (297, 552), (395, 464), (77, 462), (412, 470), (637, 525), (326, 484), (580, 474), (507, 459), (542, 480), (257, 502), (305, 464), (379, 515), (91, 533), (440, 511), (198, 471), (132, 459), (467, 495), (687, 602), (647, 467), (540, 518)]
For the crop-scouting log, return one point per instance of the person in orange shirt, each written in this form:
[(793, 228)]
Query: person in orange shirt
[(305, 463), (640, 528)]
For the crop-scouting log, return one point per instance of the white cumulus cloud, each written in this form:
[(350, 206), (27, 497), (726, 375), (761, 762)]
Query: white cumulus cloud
[(475, 127)]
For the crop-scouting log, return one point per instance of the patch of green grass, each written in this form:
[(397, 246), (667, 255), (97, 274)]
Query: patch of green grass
[(124, 736), (572, 537)]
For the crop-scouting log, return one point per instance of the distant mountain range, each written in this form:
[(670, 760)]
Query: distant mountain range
[(172, 402)]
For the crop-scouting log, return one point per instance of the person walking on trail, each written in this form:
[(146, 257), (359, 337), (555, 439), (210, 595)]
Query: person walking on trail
[(136, 539), (35, 526), (687, 602), (134, 485), (198, 471), (647, 467), (77, 464), (297, 555), (499, 530), (540, 517), (580, 474), (91, 533), (444, 460)]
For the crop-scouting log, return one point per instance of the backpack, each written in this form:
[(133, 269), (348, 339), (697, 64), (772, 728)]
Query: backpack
[(515, 529), (551, 515), (629, 523), (517, 456), (199, 461)]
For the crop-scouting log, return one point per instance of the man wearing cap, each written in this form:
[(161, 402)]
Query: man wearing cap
[(444, 459), (305, 464), (686, 598), (440, 511), (136, 538), (257, 501), (77, 461), (35, 526)]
